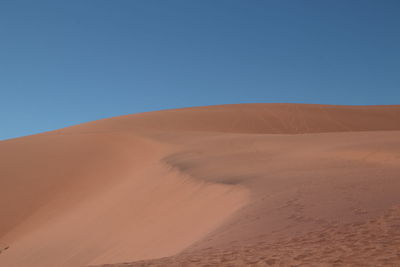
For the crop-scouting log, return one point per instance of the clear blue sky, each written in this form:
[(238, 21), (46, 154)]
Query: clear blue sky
[(67, 62)]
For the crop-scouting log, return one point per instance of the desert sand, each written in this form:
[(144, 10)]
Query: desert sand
[(229, 185)]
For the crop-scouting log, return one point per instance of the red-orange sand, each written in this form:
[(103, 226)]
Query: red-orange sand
[(231, 185)]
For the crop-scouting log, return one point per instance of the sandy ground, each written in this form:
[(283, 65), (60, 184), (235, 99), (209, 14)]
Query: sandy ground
[(232, 185)]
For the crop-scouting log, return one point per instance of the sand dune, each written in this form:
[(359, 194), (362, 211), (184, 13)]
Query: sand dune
[(231, 185)]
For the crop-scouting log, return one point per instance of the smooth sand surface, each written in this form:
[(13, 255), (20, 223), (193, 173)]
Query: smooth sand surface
[(231, 185)]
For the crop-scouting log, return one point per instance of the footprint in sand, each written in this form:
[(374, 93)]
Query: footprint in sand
[(3, 248)]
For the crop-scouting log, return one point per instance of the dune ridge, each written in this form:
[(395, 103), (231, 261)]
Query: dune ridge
[(253, 184), (252, 118)]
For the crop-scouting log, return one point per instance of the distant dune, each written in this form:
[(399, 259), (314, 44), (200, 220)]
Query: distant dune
[(230, 185)]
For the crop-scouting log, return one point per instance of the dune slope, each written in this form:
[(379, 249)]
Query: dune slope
[(255, 184)]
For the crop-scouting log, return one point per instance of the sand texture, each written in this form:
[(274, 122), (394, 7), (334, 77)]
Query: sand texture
[(230, 185)]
